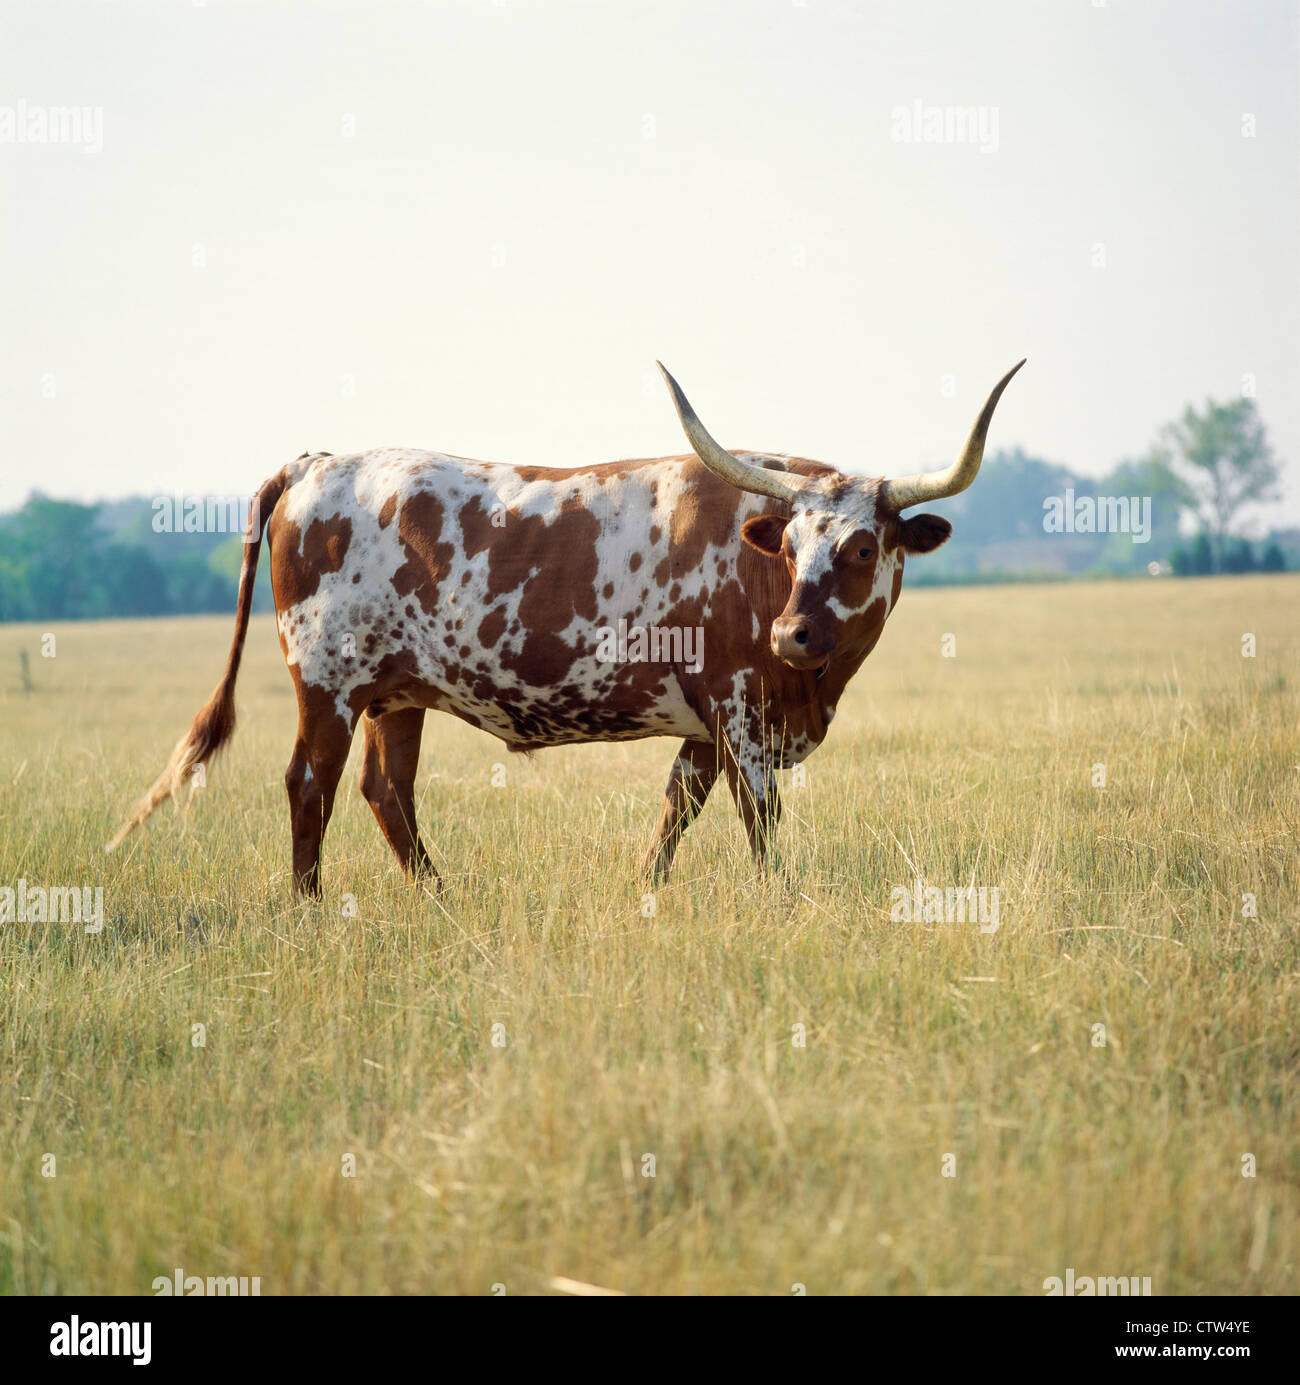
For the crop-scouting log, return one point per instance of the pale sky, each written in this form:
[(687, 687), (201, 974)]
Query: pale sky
[(472, 227)]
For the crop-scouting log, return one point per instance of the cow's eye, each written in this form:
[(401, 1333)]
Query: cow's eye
[(864, 553)]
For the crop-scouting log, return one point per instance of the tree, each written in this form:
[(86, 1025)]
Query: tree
[(51, 545), (130, 583), (15, 593), (1273, 559), (1150, 479), (1201, 562), (1006, 505), (1224, 457), (1239, 556), (1008, 502), (193, 585)]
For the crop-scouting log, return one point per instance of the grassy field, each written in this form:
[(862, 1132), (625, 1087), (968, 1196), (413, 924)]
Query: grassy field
[(621, 1035)]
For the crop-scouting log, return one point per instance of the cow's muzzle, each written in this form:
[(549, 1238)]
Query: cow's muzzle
[(796, 642)]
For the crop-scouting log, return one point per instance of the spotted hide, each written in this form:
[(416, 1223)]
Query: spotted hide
[(512, 597)]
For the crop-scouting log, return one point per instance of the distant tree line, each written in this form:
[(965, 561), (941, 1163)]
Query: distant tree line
[(1193, 485), (1199, 559), (60, 560)]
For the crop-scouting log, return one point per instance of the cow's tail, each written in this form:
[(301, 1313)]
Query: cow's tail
[(215, 723)]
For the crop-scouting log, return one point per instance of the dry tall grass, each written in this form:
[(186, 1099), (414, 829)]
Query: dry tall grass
[(673, 1036)]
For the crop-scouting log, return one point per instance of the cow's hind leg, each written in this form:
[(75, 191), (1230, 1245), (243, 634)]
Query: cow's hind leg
[(388, 783), (692, 776), (312, 778)]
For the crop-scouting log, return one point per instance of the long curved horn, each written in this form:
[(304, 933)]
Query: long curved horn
[(779, 485), (925, 486)]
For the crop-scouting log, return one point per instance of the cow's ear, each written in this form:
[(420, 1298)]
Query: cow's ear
[(764, 533), (923, 533)]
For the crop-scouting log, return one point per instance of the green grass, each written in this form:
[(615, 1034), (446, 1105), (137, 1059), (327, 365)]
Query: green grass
[(670, 1035)]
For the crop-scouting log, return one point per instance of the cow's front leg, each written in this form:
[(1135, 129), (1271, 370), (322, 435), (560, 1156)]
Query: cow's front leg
[(751, 773), (692, 776)]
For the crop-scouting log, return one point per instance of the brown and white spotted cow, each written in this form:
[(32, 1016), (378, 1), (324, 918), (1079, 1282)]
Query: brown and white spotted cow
[(407, 581)]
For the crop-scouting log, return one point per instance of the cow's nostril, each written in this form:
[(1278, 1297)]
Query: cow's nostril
[(801, 637)]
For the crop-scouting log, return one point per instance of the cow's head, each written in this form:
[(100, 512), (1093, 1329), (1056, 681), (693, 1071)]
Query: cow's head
[(843, 537)]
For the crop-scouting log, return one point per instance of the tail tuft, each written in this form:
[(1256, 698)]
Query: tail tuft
[(215, 723), (211, 729)]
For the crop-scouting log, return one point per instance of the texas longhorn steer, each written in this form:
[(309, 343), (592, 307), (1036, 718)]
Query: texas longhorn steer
[(406, 581)]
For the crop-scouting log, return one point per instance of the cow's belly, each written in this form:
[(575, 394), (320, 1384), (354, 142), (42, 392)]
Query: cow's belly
[(529, 694), (532, 723)]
